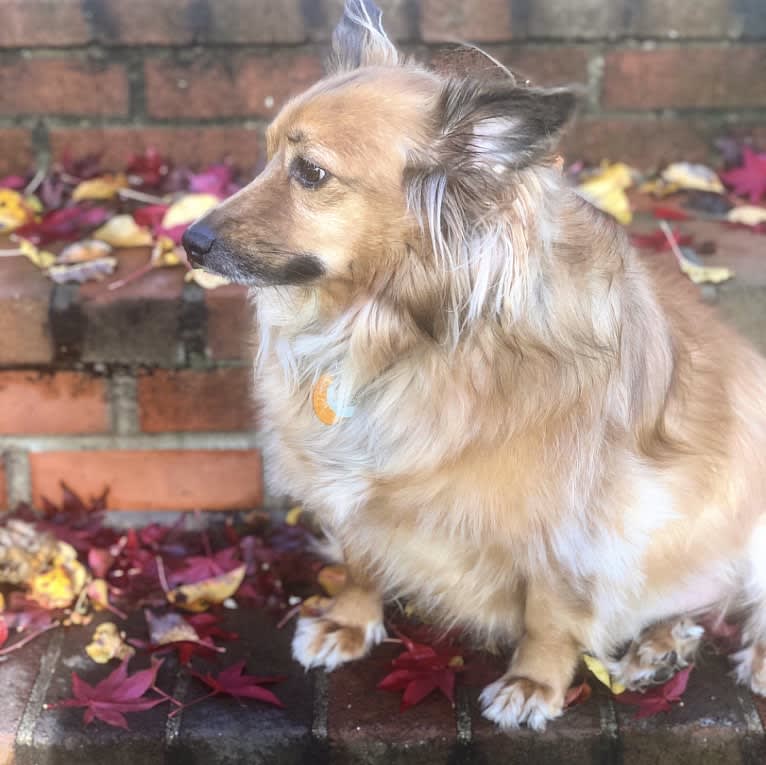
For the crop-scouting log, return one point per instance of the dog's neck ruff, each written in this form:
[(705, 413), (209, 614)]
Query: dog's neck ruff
[(324, 400)]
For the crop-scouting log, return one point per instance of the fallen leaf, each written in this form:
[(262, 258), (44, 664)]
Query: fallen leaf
[(667, 212), (749, 179), (601, 673), (748, 215), (108, 643), (100, 189), (216, 180), (188, 208), (3, 631), (41, 258), (123, 231), (658, 241), (63, 225), (686, 175), (420, 670), (606, 190), (200, 596), (577, 694), (148, 170), (294, 515), (59, 587), (233, 682), (658, 698), (115, 696), (14, 211), (92, 270), (205, 279), (80, 252), (701, 274)]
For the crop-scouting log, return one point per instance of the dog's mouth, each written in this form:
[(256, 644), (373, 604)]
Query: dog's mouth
[(261, 265)]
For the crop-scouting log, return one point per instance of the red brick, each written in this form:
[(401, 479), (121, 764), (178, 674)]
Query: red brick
[(30, 23), (195, 400), (542, 66), (63, 402), (3, 506), (688, 77), (155, 480), (646, 143), (229, 323), (564, 19), (465, 20), (66, 86), (24, 299), (194, 146), (16, 152), (699, 19), (180, 22), (240, 85)]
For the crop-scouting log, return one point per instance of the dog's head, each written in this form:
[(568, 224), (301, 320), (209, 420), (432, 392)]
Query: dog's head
[(354, 162)]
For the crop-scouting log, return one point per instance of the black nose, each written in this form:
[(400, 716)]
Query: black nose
[(198, 240)]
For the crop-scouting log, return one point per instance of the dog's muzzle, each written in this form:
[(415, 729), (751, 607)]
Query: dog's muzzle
[(198, 240)]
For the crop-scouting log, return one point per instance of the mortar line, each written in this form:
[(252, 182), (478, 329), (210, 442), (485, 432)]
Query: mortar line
[(610, 744), (320, 704), (173, 724), (17, 476), (123, 404)]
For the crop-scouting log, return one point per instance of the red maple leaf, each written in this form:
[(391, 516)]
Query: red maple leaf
[(197, 568), (657, 240), (578, 694), (419, 670), (65, 224), (232, 682), (669, 212), (115, 695), (658, 698), (750, 179), (3, 631)]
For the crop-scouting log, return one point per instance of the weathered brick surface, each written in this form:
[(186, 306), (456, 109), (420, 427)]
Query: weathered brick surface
[(191, 399), (155, 480), (586, 19), (239, 85), (29, 23), (16, 153), (17, 679), (138, 323), (63, 86), (24, 299), (469, 21), (180, 22), (223, 731), (557, 65), (365, 725), (697, 19), (646, 143), (689, 77), (230, 324), (60, 402), (193, 146)]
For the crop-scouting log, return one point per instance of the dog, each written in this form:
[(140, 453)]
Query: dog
[(494, 407)]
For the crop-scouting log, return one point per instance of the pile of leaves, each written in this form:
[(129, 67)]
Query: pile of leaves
[(73, 221)]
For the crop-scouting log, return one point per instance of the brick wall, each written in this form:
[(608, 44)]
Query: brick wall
[(199, 78), (144, 390)]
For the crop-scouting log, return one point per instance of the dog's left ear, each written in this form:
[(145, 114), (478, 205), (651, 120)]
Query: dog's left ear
[(497, 125), (359, 39)]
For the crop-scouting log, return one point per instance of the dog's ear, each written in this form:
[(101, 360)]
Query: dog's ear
[(497, 125), (359, 39)]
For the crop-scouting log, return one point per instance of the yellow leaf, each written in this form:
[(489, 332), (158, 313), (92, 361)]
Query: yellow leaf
[(108, 643), (14, 210), (293, 516), (202, 595), (188, 208), (40, 258), (601, 673), (98, 594), (686, 175), (123, 231), (205, 279), (606, 190), (2, 602), (750, 215), (164, 253), (705, 274), (169, 628), (80, 252), (333, 579), (59, 587), (103, 188)]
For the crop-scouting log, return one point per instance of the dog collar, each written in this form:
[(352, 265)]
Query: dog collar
[(324, 400)]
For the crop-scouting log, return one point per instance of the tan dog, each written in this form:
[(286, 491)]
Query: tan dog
[(533, 436)]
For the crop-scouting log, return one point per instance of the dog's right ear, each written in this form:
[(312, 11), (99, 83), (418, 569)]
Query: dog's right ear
[(359, 39)]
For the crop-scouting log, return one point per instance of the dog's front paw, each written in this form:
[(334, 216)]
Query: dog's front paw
[(750, 667), (322, 642), (514, 701)]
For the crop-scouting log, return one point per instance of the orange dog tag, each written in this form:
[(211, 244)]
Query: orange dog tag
[(323, 400)]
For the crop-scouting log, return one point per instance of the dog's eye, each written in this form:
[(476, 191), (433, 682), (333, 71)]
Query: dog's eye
[(307, 173)]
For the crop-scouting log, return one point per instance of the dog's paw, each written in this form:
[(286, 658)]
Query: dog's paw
[(322, 642), (514, 701), (658, 654), (750, 667)]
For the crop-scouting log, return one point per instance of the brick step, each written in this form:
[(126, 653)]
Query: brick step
[(342, 718)]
